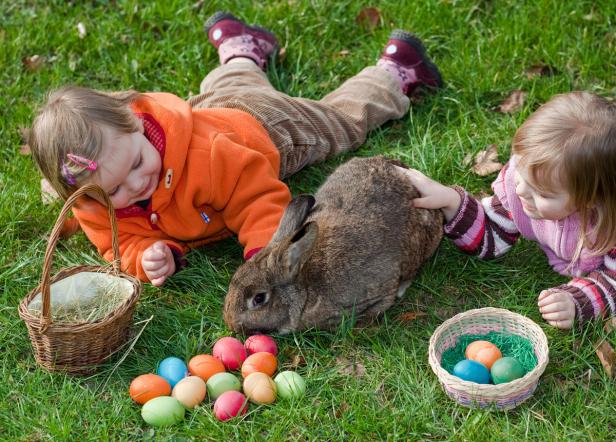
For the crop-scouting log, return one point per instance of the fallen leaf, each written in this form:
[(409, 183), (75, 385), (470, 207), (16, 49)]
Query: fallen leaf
[(409, 316), (486, 161), (540, 70), (33, 63), (48, 194), (513, 103), (368, 18), (70, 227), (610, 324), (298, 361), (341, 410), (607, 356), (349, 368), (81, 30)]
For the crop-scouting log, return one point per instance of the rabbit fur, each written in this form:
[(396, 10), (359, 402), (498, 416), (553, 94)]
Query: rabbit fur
[(349, 250)]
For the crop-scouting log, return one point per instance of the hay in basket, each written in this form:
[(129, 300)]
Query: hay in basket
[(73, 330), (486, 321)]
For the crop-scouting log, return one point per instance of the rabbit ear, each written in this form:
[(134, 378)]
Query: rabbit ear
[(299, 249), (294, 216)]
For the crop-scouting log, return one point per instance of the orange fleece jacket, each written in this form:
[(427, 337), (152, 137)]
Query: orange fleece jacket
[(219, 176)]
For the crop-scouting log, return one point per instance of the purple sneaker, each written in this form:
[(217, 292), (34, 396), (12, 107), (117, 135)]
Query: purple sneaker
[(405, 58), (234, 38)]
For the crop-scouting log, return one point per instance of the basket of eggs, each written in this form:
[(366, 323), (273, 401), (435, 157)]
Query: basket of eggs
[(80, 316), (488, 357)]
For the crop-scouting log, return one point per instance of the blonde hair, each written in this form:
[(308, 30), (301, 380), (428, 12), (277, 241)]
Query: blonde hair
[(572, 138), (70, 124)]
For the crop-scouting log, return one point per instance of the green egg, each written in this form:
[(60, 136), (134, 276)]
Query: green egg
[(289, 385), (221, 382), (162, 410), (506, 370)]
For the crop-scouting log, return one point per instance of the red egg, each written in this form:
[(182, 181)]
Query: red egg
[(229, 405), (148, 386), (230, 351), (262, 362), (205, 366), (258, 343)]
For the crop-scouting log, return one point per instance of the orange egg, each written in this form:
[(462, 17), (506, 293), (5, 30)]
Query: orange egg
[(260, 388), (148, 386), (205, 366), (488, 356), (263, 362), (475, 346)]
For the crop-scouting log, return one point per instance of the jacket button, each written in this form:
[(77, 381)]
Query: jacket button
[(153, 218)]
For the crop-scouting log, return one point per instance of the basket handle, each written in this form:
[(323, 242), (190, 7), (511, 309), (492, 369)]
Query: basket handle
[(53, 240)]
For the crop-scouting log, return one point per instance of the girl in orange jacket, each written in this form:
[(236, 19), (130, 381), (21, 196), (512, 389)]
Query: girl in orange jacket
[(184, 173)]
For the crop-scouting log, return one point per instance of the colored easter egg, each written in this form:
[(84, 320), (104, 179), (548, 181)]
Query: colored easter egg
[(205, 366), (472, 371), (230, 404), (163, 410), (230, 351), (148, 386), (260, 388), (487, 355), (190, 391), (289, 384), (173, 369), (257, 343), (475, 346), (507, 370), (221, 382), (262, 361)]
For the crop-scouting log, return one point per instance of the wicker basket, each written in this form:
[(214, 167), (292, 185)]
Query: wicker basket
[(482, 321), (78, 347)]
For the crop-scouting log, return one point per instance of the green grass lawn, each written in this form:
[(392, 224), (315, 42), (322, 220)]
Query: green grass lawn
[(483, 49)]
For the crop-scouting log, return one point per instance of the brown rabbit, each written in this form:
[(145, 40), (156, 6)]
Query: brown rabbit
[(347, 251)]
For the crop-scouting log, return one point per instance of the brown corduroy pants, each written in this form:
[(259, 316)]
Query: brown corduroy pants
[(306, 131)]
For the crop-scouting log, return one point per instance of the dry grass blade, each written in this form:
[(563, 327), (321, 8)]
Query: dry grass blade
[(410, 316)]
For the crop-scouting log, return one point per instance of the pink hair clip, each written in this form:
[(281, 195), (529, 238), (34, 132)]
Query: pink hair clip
[(82, 162)]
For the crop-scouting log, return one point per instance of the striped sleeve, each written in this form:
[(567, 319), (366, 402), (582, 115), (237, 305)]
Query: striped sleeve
[(595, 295), (482, 228)]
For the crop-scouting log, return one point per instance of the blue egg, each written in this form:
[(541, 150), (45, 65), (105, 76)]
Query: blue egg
[(472, 371), (172, 369)]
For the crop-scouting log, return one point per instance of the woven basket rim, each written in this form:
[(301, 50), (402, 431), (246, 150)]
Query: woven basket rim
[(489, 390), (79, 327)]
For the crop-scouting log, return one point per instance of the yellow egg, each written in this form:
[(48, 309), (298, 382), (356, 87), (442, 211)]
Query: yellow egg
[(190, 391), (260, 388)]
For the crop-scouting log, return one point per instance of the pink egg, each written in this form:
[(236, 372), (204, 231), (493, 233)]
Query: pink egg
[(230, 351), (229, 405), (258, 343)]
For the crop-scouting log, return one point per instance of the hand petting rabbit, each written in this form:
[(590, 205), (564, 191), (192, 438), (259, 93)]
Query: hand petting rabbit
[(347, 252)]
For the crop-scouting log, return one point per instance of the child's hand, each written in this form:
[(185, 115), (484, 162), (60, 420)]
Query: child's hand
[(434, 195), (557, 308), (157, 262)]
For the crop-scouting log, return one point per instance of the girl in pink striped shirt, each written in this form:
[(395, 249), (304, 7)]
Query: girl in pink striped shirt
[(558, 189)]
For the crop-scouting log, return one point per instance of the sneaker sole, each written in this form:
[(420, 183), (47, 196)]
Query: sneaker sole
[(407, 37)]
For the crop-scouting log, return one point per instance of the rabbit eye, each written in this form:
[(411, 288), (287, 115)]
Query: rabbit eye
[(258, 300)]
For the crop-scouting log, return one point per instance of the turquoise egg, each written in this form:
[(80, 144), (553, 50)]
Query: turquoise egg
[(162, 410), (172, 369), (507, 370), (472, 371)]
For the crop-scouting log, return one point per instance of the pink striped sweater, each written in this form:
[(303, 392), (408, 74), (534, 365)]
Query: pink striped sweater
[(489, 228)]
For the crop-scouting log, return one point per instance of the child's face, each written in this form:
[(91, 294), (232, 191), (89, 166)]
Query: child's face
[(128, 167), (553, 205)]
